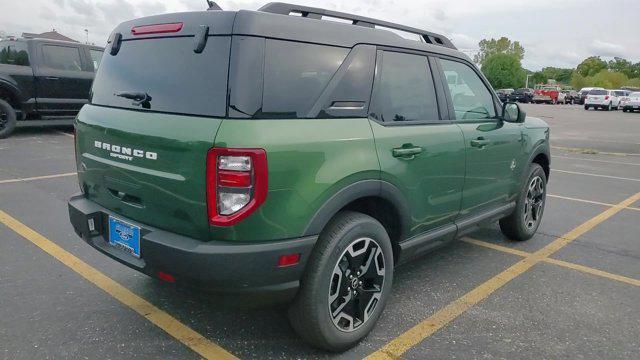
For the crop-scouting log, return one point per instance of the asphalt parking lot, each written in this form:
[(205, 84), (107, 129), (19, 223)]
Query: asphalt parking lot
[(573, 291)]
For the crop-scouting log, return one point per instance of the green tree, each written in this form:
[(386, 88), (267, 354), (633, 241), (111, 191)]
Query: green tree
[(578, 81), (635, 82), (498, 46), (591, 66), (503, 71), (620, 65), (537, 78), (608, 79)]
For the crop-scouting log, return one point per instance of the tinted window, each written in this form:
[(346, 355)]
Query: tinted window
[(471, 98), (598, 92), (177, 79), (14, 53), (96, 55), (295, 75), (61, 57), (404, 89)]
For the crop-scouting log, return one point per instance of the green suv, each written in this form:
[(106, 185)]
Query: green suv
[(260, 152)]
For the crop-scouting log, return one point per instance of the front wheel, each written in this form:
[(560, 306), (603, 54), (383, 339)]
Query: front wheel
[(346, 283), (523, 223)]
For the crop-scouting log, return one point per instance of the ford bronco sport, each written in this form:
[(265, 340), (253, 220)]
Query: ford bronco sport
[(262, 152)]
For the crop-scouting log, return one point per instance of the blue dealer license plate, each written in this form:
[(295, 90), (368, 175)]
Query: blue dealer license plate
[(124, 236)]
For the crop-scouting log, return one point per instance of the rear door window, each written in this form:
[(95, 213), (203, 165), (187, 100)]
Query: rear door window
[(14, 53), (176, 79), (295, 75), (404, 89), (61, 57)]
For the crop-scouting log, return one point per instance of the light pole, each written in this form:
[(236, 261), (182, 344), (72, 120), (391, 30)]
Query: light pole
[(527, 82), (86, 31)]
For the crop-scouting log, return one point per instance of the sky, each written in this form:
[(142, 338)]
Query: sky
[(553, 33)]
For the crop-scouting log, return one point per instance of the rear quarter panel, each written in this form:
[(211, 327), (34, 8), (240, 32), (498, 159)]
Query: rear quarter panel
[(309, 160)]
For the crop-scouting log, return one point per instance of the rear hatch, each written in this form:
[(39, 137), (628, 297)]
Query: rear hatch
[(598, 96), (156, 105)]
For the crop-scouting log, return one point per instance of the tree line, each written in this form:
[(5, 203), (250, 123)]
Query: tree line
[(501, 62)]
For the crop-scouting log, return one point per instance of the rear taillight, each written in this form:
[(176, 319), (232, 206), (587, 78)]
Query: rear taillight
[(606, 97), (156, 29), (236, 184)]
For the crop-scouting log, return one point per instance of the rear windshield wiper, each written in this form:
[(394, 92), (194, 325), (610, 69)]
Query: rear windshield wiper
[(139, 98)]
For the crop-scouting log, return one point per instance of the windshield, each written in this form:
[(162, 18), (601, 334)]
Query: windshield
[(598, 92)]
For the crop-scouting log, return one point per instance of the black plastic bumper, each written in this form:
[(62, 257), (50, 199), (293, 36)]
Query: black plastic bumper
[(212, 265)]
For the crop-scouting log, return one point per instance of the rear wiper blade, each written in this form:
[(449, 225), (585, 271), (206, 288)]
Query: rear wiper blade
[(139, 98)]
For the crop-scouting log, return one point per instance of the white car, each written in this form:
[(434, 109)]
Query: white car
[(632, 102), (622, 95), (601, 98)]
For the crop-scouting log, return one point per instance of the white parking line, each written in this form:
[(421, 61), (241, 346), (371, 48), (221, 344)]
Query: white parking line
[(595, 160), (596, 175), (588, 201), (65, 133), (36, 178)]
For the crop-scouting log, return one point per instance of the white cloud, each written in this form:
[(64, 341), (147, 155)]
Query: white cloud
[(603, 48)]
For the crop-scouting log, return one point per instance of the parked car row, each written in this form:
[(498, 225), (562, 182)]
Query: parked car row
[(599, 98)]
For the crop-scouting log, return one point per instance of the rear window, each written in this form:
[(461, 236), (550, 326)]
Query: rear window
[(167, 69), (598, 92), (14, 53), (296, 74)]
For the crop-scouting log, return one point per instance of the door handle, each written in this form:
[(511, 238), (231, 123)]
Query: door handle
[(406, 152), (52, 78), (480, 142)]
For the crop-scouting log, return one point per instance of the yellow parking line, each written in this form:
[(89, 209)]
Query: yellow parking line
[(398, 346), (562, 263), (161, 319), (596, 175), (589, 201), (36, 178)]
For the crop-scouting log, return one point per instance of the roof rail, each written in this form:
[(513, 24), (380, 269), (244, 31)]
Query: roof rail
[(318, 13)]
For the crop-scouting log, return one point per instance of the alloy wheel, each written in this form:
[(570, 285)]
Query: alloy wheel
[(356, 284), (534, 202)]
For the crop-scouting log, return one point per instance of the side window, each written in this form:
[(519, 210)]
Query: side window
[(295, 75), (61, 57), (404, 89), (471, 98), (96, 55), (14, 53)]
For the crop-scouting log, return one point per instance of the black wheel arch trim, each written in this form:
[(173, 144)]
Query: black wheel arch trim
[(353, 192), (13, 90), (541, 148)]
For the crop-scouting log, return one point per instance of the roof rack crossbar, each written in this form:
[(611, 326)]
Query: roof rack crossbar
[(318, 13)]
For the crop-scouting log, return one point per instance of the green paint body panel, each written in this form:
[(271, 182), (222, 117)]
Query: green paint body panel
[(431, 180), (169, 192), (309, 160), (492, 171)]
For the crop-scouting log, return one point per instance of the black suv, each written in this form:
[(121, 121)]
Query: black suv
[(44, 81), (522, 95)]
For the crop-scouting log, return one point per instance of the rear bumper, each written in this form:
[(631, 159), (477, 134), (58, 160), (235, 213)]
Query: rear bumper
[(213, 266)]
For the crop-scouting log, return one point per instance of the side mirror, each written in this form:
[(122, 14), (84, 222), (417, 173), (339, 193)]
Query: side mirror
[(511, 112)]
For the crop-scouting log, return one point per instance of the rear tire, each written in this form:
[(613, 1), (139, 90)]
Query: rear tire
[(523, 223), (7, 119), (341, 297), (586, 107)]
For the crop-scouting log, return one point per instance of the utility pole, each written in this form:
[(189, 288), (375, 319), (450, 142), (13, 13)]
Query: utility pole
[(527, 82), (86, 31)]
